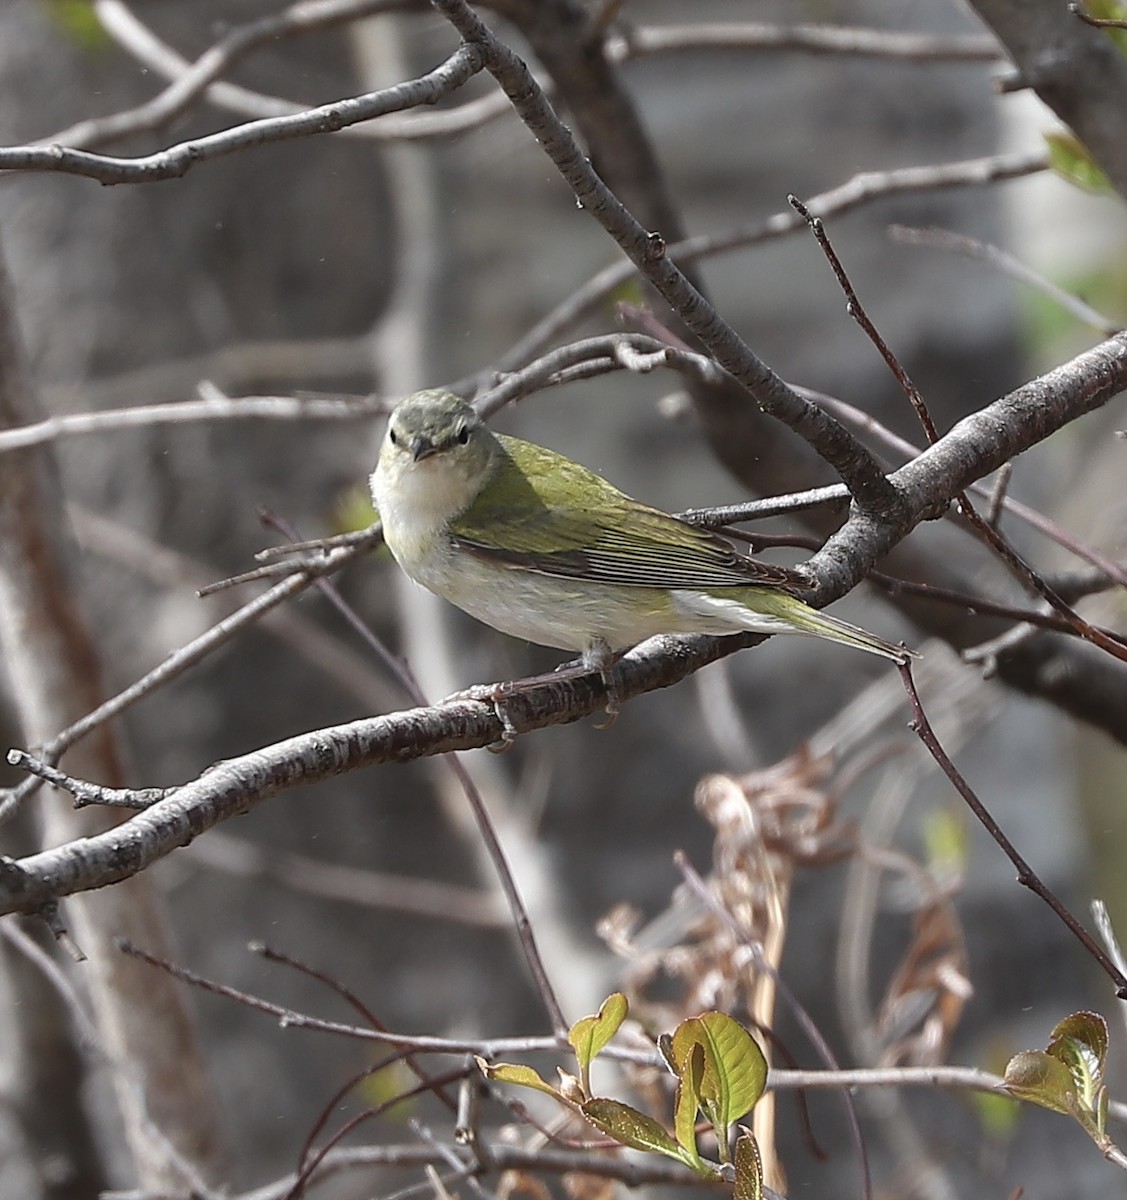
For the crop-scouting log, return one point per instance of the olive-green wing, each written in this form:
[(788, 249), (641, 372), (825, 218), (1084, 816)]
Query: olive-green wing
[(543, 512)]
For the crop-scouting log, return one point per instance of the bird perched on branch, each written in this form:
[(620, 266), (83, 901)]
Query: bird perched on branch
[(541, 548)]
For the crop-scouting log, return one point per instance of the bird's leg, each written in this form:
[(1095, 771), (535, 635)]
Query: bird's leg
[(509, 731), (600, 657), (495, 694)]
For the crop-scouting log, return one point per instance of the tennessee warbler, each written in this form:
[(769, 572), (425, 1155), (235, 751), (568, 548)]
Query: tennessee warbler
[(541, 548)]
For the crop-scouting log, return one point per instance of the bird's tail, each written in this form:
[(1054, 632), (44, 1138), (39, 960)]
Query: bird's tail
[(822, 624)]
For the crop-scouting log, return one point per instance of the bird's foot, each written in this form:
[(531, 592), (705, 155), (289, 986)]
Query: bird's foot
[(509, 731), (497, 695), (600, 657)]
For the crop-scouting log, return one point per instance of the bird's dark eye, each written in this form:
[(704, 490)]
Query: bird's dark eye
[(392, 438), (464, 434)]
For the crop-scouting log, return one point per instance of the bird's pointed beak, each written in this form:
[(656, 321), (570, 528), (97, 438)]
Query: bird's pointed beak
[(422, 448)]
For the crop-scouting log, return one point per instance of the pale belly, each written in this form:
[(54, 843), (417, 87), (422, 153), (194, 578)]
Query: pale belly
[(572, 614)]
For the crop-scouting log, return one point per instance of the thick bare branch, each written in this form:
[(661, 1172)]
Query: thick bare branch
[(1076, 70), (238, 784)]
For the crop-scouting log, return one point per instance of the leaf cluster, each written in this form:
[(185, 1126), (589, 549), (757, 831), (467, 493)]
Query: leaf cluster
[(1068, 1076), (721, 1073)]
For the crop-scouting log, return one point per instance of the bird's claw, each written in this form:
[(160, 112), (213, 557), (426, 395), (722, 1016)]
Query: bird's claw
[(509, 731), (612, 708), (494, 694)]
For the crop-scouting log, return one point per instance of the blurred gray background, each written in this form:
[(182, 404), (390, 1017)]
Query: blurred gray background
[(278, 270)]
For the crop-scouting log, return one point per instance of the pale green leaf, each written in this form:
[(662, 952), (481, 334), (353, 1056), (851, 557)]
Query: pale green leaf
[(1038, 1077), (589, 1035), (749, 1168), (735, 1071), (635, 1129), (1070, 159), (688, 1101), (1080, 1043), (518, 1074)]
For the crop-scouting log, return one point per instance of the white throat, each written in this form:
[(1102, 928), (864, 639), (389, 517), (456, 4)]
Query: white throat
[(418, 500)]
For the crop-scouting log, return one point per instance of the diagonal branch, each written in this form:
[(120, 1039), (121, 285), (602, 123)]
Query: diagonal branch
[(858, 469), (236, 785), (976, 446)]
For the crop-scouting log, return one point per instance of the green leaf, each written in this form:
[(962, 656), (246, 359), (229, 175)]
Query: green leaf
[(735, 1071), (688, 1101), (1071, 160), (637, 1130), (590, 1034), (517, 1073), (749, 1168), (1080, 1042), (1068, 1077), (1038, 1077)]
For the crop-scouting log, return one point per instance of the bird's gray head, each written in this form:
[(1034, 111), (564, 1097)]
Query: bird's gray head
[(436, 457), (430, 423)]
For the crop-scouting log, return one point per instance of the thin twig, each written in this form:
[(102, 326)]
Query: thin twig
[(485, 825), (864, 188), (997, 498), (944, 239), (985, 530), (291, 1019), (770, 506), (857, 311), (1037, 583), (1077, 10), (837, 40), (1026, 876), (192, 80), (431, 899), (177, 160), (215, 407)]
